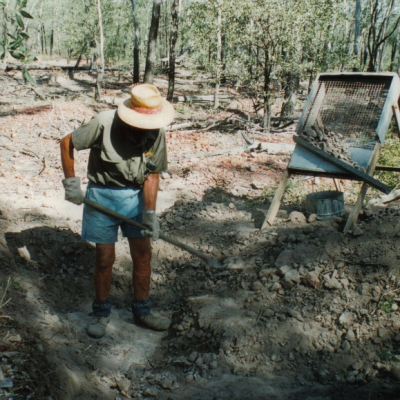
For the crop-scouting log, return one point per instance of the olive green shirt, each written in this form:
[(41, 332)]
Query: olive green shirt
[(118, 153)]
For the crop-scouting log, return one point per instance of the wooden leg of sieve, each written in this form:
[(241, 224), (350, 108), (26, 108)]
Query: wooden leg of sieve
[(276, 202), (360, 199)]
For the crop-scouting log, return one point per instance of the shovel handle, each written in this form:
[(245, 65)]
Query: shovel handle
[(166, 238)]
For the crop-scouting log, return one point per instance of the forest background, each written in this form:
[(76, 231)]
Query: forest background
[(257, 46)]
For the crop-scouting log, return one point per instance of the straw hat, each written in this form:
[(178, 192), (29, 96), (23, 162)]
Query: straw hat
[(146, 109)]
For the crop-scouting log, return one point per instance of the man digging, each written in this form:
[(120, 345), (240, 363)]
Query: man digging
[(127, 151)]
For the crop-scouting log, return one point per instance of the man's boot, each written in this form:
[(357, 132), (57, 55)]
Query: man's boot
[(99, 318), (97, 326), (143, 316)]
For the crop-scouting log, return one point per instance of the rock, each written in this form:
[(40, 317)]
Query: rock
[(346, 318), (257, 185), (175, 385), (332, 284), (166, 383), (292, 239), (297, 217), (199, 361), (192, 357), (268, 313), (257, 285), (357, 231), (151, 392), (123, 385), (357, 365), (172, 275), (283, 270), (395, 372), (346, 346), (312, 218), (189, 378), (295, 314), (179, 202), (383, 333), (340, 264), (276, 286), (6, 383), (213, 364), (350, 336), (284, 258), (292, 275), (291, 357), (311, 279), (266, 272)]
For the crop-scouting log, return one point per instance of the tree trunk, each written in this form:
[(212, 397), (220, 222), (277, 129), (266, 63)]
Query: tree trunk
[(291, 86), (152, 42), (173, 40), (398, 64), (100, 72), (219, 50), (393, 55), (136, 47), (357, 32), (51, 42), (267, 94), (72, 71)]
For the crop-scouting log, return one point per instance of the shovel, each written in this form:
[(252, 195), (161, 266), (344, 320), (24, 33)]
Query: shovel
[(212, 263)]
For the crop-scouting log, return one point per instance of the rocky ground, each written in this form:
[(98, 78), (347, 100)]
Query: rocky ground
[(298, 311)]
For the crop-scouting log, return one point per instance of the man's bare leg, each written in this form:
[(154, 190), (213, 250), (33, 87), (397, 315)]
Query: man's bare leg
[(141, 305), (141, 256), (105, 257)]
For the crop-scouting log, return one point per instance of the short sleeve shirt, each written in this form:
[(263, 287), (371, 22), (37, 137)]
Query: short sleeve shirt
[(118, 153)]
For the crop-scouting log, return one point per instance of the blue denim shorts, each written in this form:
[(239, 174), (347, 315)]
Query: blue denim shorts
[(101, 228)]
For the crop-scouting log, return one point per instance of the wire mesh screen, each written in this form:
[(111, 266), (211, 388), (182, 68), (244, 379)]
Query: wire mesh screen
[(349, 109)]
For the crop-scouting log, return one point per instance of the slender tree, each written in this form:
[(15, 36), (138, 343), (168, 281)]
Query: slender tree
[(173, 39), (152, 43), (219, 58), (100, 71), (136, 47)]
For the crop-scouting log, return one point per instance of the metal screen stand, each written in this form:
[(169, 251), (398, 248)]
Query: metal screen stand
[(349, 112), (353, 216)]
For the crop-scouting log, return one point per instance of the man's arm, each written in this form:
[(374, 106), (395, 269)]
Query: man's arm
[(72, 184), (150, 190), (67, 156)]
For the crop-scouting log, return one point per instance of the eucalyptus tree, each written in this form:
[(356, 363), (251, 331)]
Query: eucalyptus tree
[(175, 14), (152, 42), (383, 23)]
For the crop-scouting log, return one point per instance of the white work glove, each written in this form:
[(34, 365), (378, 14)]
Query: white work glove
[(150, 221), (73, 192)]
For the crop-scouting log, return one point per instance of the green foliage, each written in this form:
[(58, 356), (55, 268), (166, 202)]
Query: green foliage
[(390, 156), (14, 36), (386, 306), (386, 354)]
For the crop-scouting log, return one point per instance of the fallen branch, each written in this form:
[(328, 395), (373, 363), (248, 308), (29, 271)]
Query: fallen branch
[(6, 147), (44, 166), (392, 196), (176, 127), (205, 98), (29, 153)]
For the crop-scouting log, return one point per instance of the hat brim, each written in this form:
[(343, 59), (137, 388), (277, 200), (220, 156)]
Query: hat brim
[(146, 121)]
